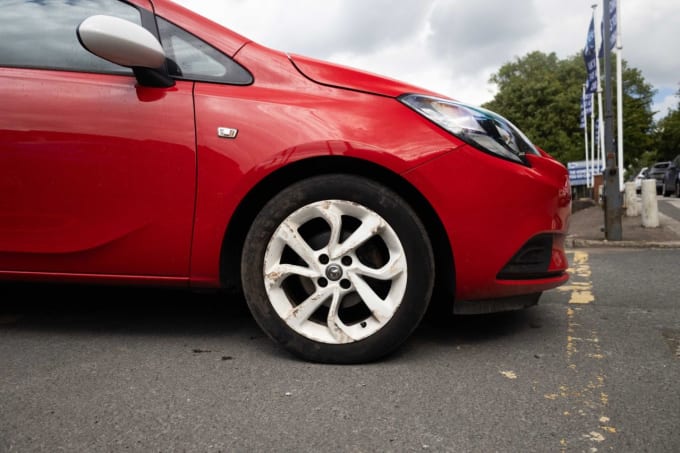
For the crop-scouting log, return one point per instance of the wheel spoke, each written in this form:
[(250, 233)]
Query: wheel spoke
[(333, 216), (394, 267), (335, 325), (381, 309), (370, 226), (301, 313), (279, 272), (288, 233)]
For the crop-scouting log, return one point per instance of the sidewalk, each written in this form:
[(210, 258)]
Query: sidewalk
[(586, 228)]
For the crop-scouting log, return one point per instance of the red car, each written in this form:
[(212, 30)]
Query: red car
[(142, 144)]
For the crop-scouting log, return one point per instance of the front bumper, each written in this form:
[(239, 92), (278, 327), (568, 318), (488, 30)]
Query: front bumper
[(505, 222)]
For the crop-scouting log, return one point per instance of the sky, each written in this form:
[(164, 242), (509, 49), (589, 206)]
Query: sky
[(454, 46)]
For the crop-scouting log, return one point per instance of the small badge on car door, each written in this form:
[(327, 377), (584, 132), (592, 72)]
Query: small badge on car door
[(226, 132)]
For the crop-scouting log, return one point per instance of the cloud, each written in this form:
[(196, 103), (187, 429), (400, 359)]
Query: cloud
[(650, 38), (320, 28), (667, 102), (474, 33)]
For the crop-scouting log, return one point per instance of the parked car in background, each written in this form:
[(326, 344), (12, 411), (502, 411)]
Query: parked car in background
[(639, 177), (658, 171), (671, 179), (141, 143)]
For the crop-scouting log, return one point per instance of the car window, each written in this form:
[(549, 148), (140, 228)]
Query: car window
[(42, 33), (191, 58)]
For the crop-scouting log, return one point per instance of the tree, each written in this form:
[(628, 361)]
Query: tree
[(668, 134), (638, 119), (542, 94)]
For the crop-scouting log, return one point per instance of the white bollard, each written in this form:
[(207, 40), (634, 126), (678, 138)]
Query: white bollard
[(632, 207), (650, 207), (600, 197)]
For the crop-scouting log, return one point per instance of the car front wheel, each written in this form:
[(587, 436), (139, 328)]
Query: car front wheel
[(337, 269)]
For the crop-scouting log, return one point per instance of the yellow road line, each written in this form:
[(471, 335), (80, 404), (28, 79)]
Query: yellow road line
[(584, 393)]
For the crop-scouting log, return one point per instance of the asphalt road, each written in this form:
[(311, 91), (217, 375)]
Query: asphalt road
[(594, 367), (669, 207)]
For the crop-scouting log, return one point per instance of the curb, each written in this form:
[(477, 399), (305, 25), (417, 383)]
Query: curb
[(571, 242)]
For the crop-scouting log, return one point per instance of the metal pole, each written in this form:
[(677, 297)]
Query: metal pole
[(613, 202), (594, 164), (585, 134), (619, 93)]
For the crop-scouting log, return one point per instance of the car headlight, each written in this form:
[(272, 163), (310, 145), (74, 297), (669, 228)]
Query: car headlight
[(479, 127)]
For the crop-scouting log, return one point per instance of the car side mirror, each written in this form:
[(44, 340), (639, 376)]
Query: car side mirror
[(127, 44)]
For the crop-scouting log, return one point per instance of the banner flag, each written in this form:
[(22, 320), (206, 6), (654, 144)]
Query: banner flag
[(589, 57), (612, 29), (586, 109)]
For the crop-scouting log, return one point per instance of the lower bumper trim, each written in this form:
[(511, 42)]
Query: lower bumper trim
[(484, 306)]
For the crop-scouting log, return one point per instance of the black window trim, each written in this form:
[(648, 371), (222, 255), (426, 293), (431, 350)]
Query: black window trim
[(199, 79)]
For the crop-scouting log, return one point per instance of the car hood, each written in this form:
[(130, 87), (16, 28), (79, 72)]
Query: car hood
[(353, 79)]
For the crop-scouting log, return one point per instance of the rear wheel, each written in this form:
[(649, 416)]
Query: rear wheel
[(337, 269)]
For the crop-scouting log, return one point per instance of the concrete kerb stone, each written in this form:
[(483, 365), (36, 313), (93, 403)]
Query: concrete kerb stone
[(588, 243)]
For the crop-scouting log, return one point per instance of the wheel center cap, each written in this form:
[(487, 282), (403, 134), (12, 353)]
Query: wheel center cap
[(334, 272)]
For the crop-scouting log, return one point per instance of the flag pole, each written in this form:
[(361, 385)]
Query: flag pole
[(593, 165), (619, 93), (585, 133)]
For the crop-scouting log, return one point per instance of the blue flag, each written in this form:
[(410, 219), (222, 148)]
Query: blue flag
[(586, 109), (589, 57), (612, 28)]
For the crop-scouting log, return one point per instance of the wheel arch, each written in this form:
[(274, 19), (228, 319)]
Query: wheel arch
[(252, 203)]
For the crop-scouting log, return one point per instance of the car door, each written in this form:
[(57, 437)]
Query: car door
[(674, 173), (97, 173)]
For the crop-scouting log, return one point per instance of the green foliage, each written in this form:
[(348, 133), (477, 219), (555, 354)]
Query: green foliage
[(668, 134), (541, 94), (638, 118)]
